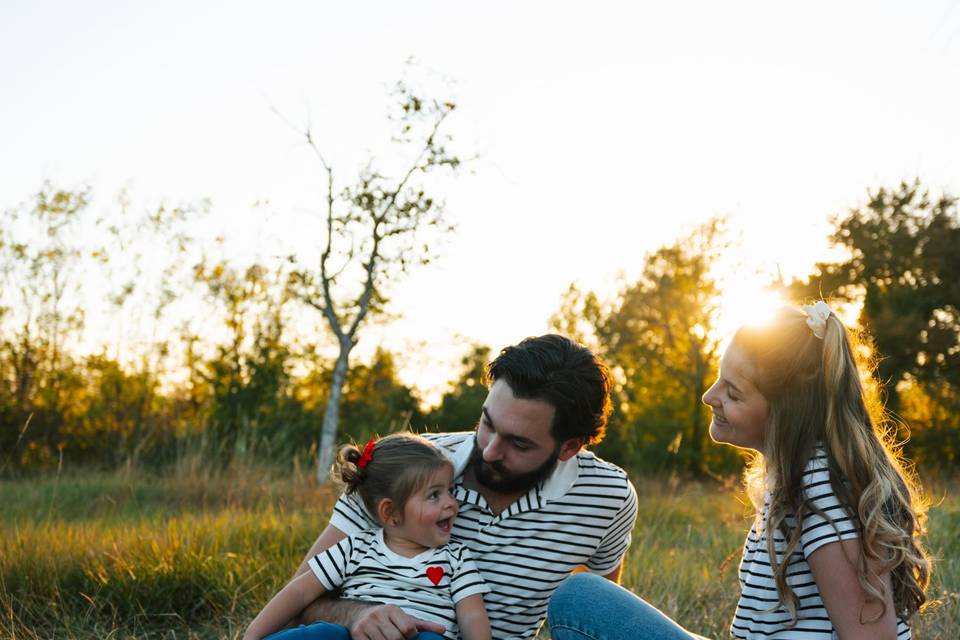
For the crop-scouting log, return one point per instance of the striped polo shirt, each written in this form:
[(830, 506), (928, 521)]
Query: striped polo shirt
[(759, 612), (581, 515), (427, 586)]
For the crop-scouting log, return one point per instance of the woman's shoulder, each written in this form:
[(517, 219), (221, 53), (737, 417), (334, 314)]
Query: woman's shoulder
[(816, 470), (818, 459), (819, 484)]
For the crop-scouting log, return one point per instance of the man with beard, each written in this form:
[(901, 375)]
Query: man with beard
[(534, 505)]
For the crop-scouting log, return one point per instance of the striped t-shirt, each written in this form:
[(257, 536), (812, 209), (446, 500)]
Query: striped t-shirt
[(427, 586), (759, 612), (581, 515)]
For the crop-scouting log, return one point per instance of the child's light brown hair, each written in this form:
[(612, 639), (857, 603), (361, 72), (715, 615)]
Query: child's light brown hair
[(402, 464)]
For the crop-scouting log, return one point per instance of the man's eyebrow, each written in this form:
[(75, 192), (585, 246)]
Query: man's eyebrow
[(515, 438), (486, 414)]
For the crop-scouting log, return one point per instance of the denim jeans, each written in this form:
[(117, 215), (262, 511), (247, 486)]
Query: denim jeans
[(328, 631), (588, 607)]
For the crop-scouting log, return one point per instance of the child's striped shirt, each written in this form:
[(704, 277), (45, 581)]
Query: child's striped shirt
[(426, 586)]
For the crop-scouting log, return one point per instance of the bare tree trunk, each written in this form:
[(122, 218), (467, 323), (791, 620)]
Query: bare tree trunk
[(331, 415), (376, 211)]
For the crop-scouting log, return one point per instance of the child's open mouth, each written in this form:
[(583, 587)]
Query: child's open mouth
[(445, 524)]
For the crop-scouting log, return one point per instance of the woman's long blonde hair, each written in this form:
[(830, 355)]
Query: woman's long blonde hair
[(816, 397)]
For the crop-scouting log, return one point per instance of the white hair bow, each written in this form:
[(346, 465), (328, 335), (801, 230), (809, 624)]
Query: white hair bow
[(817, 315)]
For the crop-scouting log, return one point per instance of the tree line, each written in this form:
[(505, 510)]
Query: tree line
[(209, 357), (260, 391)]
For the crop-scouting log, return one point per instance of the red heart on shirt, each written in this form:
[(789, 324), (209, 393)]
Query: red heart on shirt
[(435, 574)]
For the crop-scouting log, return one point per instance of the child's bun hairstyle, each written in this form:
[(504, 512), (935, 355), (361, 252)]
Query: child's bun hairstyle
[(806, 366), (395, 467)]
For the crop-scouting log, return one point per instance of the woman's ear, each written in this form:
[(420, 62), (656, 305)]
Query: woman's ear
[(386, 513)]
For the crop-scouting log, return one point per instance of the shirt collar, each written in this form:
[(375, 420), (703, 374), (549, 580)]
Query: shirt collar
[(554, 487), (460, 456)]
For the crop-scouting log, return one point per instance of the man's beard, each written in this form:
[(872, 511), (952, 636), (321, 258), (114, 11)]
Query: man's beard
[(493, 476)]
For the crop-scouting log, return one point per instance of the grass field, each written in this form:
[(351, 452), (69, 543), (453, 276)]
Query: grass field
[(126, 555)]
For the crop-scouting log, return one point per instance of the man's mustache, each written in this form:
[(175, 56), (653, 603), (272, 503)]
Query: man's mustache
[(477, 458)]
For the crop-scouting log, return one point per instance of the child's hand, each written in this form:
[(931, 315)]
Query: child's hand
[(389, 622), (291, 600)]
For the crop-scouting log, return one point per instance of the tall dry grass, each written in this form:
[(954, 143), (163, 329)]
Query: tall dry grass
[(195, 554)]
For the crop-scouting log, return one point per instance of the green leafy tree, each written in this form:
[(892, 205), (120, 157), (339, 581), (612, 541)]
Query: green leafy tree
[(658, 336), (904, 262), (42, 315), (932, 410), (376, 402), (578, 317), (248, 376), (142, 257), (459, 407), (117, 415), (39, 268)]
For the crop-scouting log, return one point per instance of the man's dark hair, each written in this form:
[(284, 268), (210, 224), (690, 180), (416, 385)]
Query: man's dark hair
[(557, 370)]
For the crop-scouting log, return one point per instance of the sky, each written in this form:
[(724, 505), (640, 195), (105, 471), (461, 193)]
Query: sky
[(602, 131)]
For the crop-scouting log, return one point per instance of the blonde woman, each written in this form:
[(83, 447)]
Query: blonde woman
[(834, 550)]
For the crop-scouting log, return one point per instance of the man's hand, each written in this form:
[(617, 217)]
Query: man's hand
[(389, 622)]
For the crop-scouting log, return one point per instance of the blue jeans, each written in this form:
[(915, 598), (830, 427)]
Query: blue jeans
[(328, 631), (588, 607)]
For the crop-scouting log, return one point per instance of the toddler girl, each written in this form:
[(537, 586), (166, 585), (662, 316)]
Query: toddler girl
[(406, 483)]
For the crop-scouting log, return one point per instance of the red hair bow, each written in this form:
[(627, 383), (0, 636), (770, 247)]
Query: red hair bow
[(367, 454)]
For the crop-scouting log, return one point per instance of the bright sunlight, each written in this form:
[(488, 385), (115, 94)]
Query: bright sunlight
[(744, 301)]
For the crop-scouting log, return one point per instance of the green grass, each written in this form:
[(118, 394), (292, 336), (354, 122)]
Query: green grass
[(129, 555)]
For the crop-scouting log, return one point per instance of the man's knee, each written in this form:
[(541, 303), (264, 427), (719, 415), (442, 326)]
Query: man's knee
[(574, 591)]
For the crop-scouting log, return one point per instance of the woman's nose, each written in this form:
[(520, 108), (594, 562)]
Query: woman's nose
[(710, 396)]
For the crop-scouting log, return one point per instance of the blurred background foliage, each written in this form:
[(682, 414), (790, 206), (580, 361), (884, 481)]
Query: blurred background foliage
[(255, 389)]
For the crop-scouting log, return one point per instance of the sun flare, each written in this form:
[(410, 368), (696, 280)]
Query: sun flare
[(744, 302)]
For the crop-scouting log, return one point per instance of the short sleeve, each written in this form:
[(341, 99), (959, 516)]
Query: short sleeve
[(466, 579), (350, 516), (332, 565), (837, 522), (616, 539)]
